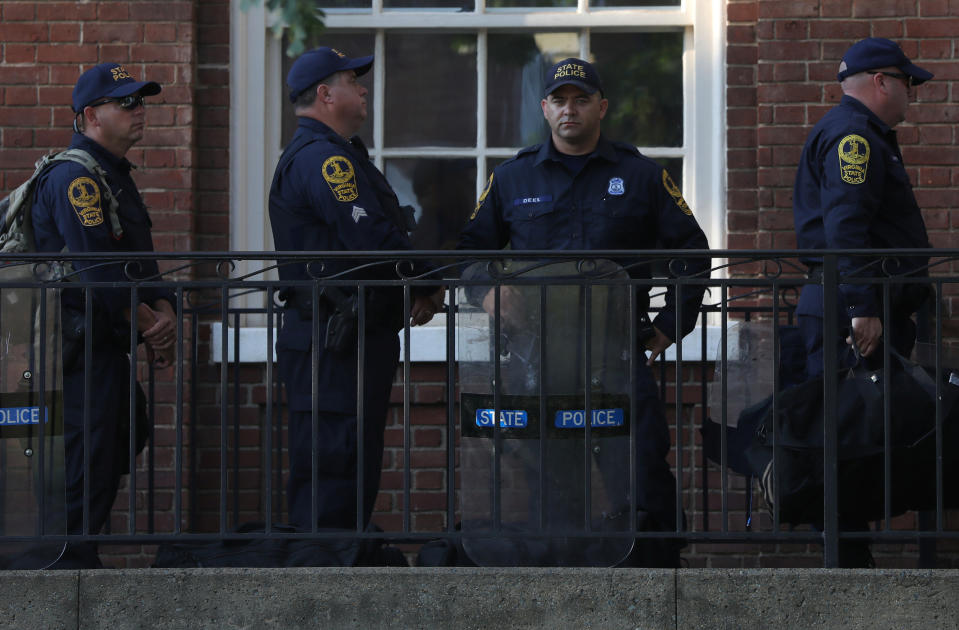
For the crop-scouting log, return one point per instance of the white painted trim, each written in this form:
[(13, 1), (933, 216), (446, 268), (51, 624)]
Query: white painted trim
[(507, 19), (248, 98), (428, 343), (707, 157), (254, 136)]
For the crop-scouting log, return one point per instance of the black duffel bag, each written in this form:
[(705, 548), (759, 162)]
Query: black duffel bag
[(795, 482)]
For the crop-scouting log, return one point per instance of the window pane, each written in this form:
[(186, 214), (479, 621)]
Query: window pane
[(642, 75), (430, 90), (462, 5), (594, 4), (634, 3), (354, 45), (516, 71), (344, 4), (495, 4), (443, 193)]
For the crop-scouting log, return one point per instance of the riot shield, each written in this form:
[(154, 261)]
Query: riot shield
[(542, 487), (32, 486)]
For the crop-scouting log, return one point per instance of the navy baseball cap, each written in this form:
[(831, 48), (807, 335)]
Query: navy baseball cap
[(314, 66), (576, 72), (878, 52), (108, 80)]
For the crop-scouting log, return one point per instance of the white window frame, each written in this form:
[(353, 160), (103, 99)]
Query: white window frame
[(256, 57)]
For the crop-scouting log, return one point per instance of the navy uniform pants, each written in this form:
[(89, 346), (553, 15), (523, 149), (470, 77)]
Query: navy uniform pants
[(107, 440), (901, 333), (336, 441)]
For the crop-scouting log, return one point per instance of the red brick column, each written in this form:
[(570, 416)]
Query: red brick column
[(44, 46)]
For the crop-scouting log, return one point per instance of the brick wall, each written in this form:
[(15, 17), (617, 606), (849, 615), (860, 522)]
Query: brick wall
[(212, 112)]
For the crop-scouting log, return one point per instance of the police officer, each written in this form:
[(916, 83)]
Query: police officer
[(579, 190), (852, 192), (328, 196), (71, 212)]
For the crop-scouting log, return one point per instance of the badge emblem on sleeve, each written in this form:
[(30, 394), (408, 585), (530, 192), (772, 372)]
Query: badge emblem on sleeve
[(853, 159), (616, 186), (84, 195), (675, 193), (482, 197), (338, 173)]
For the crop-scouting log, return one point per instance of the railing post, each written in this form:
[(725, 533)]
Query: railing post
[(830, 280)]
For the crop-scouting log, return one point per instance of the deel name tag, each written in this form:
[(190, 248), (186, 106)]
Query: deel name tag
[(508, 418), (574, 418), (19, 416)]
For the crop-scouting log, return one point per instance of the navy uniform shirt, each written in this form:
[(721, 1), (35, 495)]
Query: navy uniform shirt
[(852, 192), (617, 199), (327, 196), (70, 211)]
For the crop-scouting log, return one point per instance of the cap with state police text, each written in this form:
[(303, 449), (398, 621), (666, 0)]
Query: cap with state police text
[(878, 52), (315, 65), (108, 80), (576, 72)]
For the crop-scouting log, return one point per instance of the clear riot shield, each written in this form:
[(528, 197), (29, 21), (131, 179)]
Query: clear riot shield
[(32, 485), (540, 487)]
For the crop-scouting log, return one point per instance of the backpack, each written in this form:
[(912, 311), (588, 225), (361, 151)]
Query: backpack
[(16, 232)]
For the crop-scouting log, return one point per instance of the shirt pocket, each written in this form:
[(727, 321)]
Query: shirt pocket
[(534, 222), (618, 220)]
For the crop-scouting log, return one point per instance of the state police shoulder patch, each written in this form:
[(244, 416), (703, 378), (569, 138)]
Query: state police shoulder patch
[(84, 196), (675, 193), (339, 175), (482, 197), (853, 159)]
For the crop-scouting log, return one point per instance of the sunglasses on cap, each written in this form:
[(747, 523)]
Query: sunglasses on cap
[(127, 102)]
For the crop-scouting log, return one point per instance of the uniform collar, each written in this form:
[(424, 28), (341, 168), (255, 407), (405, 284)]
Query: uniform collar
[(856, 104), (604, 149), (315, 126), (101, 155)]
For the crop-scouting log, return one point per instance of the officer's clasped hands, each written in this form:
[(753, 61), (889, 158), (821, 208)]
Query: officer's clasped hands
[(159, 334)]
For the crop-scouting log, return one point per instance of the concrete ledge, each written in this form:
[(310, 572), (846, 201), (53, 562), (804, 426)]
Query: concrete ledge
[(479, 598), (39, 599), (817, 598)]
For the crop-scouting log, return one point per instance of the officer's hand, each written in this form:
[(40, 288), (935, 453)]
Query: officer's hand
[(162, 334), (160, 358), (423, 309), (512, 307), (868, 334), (439, 299), (656, 345)]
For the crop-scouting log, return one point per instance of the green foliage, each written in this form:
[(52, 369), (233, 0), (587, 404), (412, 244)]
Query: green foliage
[(301, 18)]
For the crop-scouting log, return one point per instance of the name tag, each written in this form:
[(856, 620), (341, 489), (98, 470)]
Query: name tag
[(523, 201), (576, 418), (19, 416), (508, 418)]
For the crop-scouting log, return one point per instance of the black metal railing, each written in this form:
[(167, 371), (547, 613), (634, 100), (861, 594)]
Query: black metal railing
[(216, 419)]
